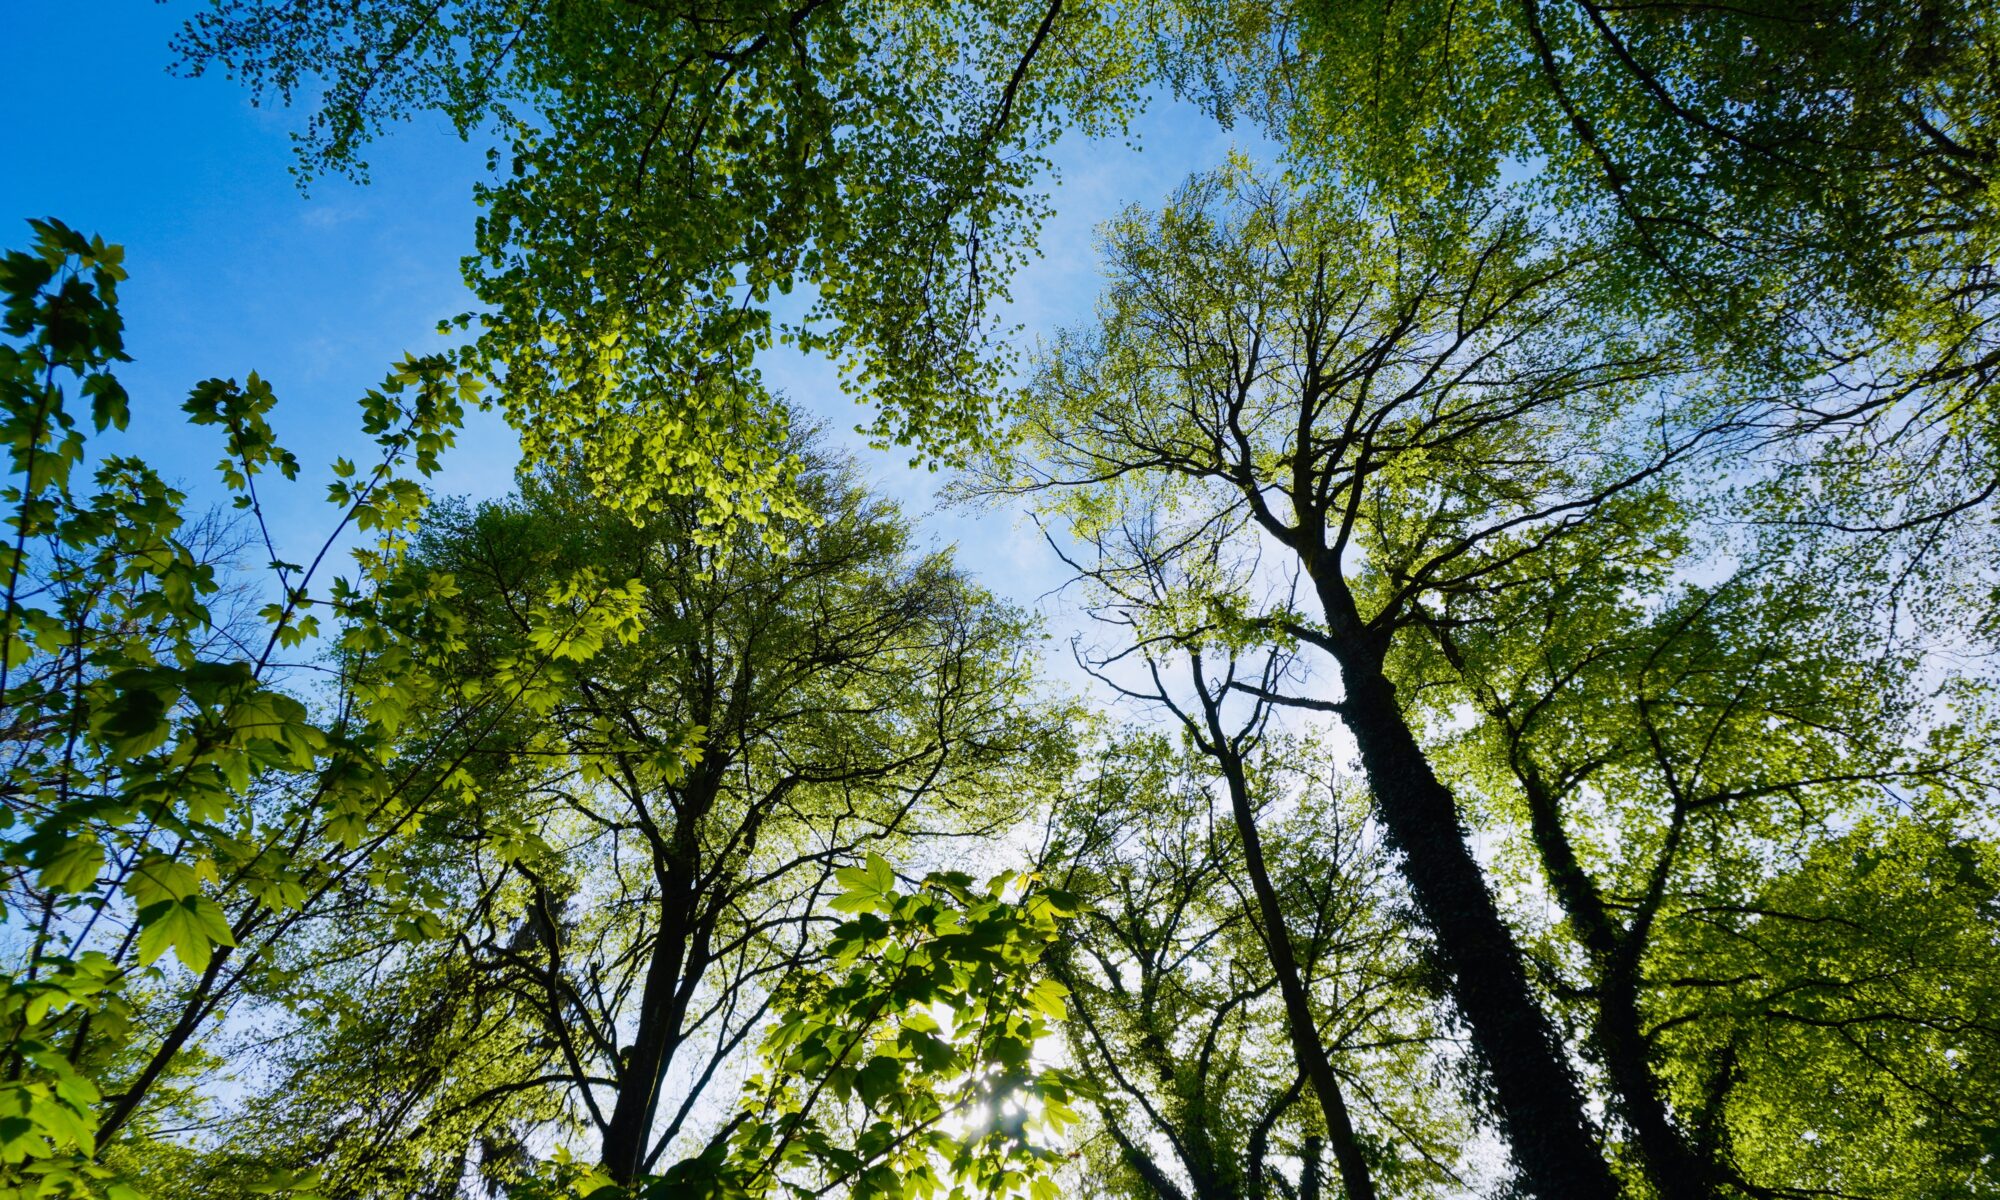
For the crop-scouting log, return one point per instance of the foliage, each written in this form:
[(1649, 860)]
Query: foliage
[(1174, 996), (1822, 171), (1550, 522), (1806, 190), (928, 1022), (648, 850), (176, 812), (903, 1068), (1683, 770), (1502, 494), (665, 171), (1401, 409)]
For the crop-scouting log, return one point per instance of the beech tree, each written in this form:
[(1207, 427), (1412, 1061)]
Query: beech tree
[(1177, 1004), (1808, 186), (361, 885), (1405, 409), (670, 822), (1439, 432), (1543, 538), (1680, 756), (661, 171), (1805, 191)]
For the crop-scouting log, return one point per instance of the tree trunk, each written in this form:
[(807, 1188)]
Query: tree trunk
[(1676, 1169), (1540, 1102), (1309, 1171), (1355, 1177), (678, 958)]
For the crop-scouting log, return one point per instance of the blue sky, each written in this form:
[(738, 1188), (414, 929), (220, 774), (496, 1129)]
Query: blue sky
[(234, 270)]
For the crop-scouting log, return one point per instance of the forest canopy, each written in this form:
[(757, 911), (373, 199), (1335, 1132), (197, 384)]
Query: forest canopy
[(1521, 719)]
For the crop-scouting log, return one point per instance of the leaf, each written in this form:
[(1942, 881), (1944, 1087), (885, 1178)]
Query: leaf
[(135, 721), (933, 1054), (161, 879), (191, 927), (1047, 997), (13, 1131), (280, 891), (280, 1181), (880, 1076), (869, 886), (1062, 903), (63, 1125), (73, 866)]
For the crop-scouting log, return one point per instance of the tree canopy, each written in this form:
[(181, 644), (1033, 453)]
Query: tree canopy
[(1528, 725)]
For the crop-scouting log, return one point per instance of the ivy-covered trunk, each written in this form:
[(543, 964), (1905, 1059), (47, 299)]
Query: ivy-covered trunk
[(1674, 1167), (1676, 1170), (1539, 1101)]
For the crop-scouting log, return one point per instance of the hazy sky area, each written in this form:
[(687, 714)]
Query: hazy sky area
[(234, 270)]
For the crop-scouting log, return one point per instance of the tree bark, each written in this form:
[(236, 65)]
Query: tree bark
[(1539, 1100), (1676, 1170), (678, 958), (1309, 1172)]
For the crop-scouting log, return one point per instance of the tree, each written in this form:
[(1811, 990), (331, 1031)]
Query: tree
[(901, 1058), (170, 790), (1808, 185), (926, 1020), (1604, 399), (666, 169), (1805, 188), (668, 824), (1687, 762), (780, 712), (1403, 408), (1174, 991), (1451, 454), (370, 860)]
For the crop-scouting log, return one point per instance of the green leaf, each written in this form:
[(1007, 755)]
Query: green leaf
[(933, 1054), (878, 1077), (159, 879), (74, 865), (135, 721), (872, 886), (191, 927), (1047, 997)]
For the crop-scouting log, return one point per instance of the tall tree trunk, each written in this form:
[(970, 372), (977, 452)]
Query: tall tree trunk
[(678, 959), (1309, 1171), (1676, 1169), (1540, 1102), (1256, 1181), (644, 1063), (1155, 1180), (1357, 1180)]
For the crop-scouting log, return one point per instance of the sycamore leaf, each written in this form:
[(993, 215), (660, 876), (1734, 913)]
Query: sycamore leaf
[(1047, 997), (870, 886), (73, 866), (160, 879), (191, 926), (878, 1078)]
